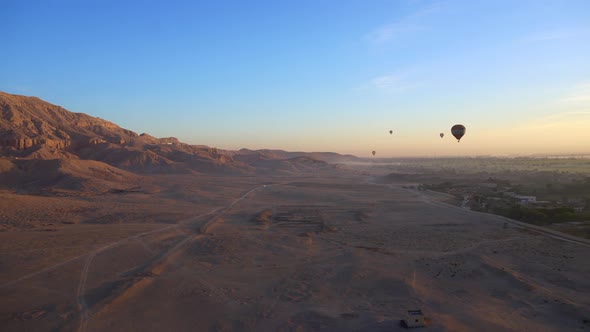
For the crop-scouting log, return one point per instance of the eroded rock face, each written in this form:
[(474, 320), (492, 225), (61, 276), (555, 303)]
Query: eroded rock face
[(25, 143), (169, 140), (27, 122)]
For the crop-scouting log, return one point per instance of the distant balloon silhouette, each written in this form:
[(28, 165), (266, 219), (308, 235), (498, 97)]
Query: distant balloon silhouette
[(374, 153), (458, 131), (391, 131), (442, 135)]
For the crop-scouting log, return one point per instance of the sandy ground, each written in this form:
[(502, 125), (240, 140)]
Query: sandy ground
[(316, 253)]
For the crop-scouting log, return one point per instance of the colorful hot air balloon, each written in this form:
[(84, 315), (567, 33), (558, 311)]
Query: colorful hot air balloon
[(374, 153), (458, 131), (442, 135)]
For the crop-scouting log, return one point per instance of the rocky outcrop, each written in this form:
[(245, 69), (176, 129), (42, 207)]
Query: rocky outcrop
[(27, 122), (96, 140), (169, 140), (25, 143)]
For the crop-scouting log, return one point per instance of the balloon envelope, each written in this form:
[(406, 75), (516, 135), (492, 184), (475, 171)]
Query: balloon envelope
[(442, 135), (374, 152), (391, 131), (458, 131)]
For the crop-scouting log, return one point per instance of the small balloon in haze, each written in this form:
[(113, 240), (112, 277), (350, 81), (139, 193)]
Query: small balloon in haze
[(374, 152), (442, 135), (391, 131), (458, 131)]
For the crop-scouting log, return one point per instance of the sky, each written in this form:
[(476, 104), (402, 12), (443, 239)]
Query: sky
[(314, 75)]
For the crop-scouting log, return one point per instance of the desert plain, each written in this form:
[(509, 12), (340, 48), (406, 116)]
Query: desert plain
[(337, 249), (295, 166)]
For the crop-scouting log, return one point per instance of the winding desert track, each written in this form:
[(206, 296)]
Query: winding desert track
[(82, 289), (214, 216), (210, 216), (82, 306), (73, 259)]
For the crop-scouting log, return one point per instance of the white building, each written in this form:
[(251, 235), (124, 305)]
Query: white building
[(523, 200)]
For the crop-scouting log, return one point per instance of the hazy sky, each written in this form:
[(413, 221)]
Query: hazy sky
[(314, 75)]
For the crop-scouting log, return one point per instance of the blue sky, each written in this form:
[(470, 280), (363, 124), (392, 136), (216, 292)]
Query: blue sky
[(314, 75)]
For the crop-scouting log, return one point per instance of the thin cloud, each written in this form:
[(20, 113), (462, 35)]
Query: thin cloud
[(578, 94), (386, 82), (390, 31), (577, 103), (560, 120), (548, 36), (567, 115), (558, 34), (391, 83)]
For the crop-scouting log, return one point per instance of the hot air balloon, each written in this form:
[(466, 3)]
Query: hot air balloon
[(374, 153), (442, 135), (391, 131), (458, 131)]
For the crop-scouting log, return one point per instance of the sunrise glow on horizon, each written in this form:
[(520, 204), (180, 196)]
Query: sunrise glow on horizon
[(315, 76)]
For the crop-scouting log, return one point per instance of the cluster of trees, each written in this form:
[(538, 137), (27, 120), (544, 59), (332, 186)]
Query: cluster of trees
[(542, 216), (443, 186), (577, 187)]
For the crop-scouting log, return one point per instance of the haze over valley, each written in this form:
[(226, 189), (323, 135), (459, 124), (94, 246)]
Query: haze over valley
[(295, 166), (104, 229)]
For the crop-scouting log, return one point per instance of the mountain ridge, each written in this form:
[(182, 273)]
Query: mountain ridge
[(31, 128)]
